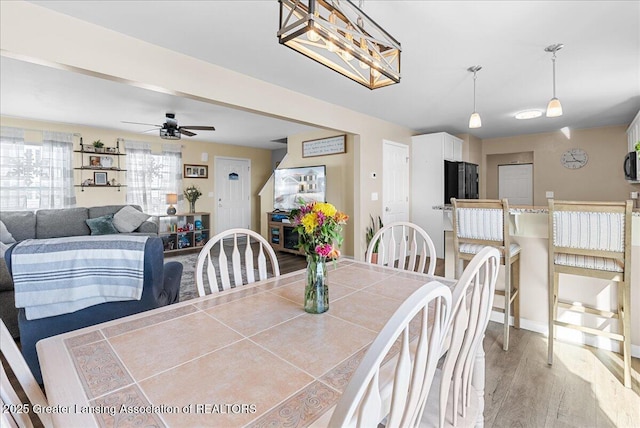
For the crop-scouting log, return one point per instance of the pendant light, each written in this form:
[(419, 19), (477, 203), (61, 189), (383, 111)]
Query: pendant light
[(554, 108), (337, 34), (474, 120)]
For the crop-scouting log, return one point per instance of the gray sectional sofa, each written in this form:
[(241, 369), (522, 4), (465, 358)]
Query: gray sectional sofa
[(50, 223)]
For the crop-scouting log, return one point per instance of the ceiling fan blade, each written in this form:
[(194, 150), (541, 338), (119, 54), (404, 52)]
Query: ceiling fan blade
[(149, 130), (140, 123), (199, 128), (186, 132)]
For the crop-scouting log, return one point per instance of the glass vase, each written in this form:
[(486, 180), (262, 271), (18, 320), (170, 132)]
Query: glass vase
[(316, 291), (192, 206)]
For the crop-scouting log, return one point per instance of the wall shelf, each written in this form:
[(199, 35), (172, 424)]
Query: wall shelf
[(112, 169)]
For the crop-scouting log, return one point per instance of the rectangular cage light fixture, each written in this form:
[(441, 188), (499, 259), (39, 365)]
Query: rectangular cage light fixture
[(339, 35)]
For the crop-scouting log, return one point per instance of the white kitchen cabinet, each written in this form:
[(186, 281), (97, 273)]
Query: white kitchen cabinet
[(452, 146), (633, 133), (428, 153)]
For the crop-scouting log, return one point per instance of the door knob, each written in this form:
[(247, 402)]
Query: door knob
[(387, 209)]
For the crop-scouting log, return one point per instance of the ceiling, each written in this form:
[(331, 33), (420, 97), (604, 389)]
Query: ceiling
[(598, 70)]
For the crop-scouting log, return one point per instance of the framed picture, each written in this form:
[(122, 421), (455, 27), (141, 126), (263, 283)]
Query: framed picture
[(100, 178), (196, 171), (324, 146), (94, 161)]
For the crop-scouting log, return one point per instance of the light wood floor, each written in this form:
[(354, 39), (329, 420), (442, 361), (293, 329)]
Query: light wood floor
[(583, 388)]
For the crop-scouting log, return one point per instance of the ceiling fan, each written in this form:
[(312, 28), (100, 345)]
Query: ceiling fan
[(170, 129)]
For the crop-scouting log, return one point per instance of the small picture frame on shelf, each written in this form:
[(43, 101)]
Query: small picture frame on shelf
[(100, 178), (88, 149), (196, 171), (94, 161), (110, 149)]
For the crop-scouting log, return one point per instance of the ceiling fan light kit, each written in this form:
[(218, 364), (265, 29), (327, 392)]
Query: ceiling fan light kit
[(474, 121), (170, 130), (170, 134), (554, 108), (342, 37)]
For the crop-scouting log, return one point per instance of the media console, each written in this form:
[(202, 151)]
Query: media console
[(281, 235)]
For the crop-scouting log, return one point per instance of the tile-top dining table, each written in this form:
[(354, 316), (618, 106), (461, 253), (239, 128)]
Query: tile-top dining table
[(249, 356)]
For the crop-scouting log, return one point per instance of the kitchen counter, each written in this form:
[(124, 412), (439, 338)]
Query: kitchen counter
[(520, 209)]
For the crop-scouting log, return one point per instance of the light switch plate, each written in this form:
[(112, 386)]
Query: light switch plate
[(549, 194), (374, 196)]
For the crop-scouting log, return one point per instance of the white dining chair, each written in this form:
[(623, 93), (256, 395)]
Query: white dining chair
[(369, 397), (16, 414), (472, 302), (485, 222), (213, 260), (592, 239), (403, 245)]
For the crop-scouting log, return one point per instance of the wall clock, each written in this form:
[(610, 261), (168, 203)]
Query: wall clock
[(574, 158)]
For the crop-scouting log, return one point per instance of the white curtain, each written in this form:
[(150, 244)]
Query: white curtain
[(57, 170), (151, 176), (138, 161), (172, 162), (36, 175)]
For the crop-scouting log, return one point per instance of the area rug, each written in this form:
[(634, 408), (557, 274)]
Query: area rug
[(188, 283)]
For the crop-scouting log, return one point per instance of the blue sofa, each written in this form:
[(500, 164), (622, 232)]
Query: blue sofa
[(161, 287), (50, 223)]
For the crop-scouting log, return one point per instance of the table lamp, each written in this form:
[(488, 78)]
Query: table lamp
[(172, 198)]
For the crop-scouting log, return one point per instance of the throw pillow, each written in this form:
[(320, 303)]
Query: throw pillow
[(128, 219), (102, 225), (5, 236)]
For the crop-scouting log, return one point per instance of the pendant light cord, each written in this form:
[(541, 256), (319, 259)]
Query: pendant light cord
[(553, 60), (474, 91)]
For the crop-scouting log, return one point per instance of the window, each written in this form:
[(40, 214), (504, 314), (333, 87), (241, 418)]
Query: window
[(35, 175), (151, 176)]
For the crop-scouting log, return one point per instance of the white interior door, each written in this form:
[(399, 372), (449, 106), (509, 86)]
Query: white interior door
[(515, 182), (395, 184), (233, 194)]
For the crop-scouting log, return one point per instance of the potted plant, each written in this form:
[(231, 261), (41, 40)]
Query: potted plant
[(191, 194), (371, 231), (99, 146)]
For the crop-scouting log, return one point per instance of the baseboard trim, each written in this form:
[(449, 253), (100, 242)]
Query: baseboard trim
[(568, 335)]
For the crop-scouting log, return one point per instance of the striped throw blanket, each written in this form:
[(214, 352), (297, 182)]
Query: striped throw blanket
[(62, 275)]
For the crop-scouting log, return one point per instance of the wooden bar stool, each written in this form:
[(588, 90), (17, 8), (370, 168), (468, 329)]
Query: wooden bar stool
[(592, 239), (478, 223)]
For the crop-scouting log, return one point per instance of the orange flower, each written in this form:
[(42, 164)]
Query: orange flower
[(341, 217), (334, 254)]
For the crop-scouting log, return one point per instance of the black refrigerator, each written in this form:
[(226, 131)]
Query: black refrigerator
[(460, 181)]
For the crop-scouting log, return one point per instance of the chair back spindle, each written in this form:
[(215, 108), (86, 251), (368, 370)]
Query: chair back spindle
[(217, 266), (403, 245)]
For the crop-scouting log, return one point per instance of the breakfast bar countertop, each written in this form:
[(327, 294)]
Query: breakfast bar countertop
[(520, 209)]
